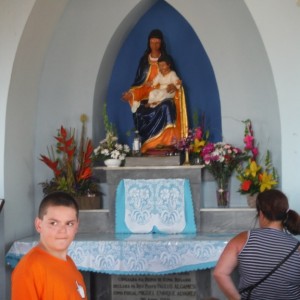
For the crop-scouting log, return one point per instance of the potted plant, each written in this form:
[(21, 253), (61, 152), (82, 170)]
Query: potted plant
[(109, 151), (72, 164), (254, 176)]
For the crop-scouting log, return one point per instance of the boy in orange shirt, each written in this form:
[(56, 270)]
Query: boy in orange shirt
[(46, 272)]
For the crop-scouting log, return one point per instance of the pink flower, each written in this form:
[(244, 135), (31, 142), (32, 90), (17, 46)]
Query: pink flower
[(198, 133), (248, 140), (254, 152)]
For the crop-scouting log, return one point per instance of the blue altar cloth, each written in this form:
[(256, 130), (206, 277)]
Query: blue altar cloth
[(136, 254)]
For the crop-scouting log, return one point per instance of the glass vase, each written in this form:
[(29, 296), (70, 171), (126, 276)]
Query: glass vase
[(223, 192), (195, 158)]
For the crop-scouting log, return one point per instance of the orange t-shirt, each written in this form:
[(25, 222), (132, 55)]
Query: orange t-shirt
[(41, 276)]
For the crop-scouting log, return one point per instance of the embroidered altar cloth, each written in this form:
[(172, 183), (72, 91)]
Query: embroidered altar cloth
[(154, 205), (136, 254)]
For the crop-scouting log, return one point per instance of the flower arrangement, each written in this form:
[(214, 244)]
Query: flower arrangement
[(255, 177), (221, 159), (192, 145), (71, 163), (109, 147), (196, 138), (194, 142)]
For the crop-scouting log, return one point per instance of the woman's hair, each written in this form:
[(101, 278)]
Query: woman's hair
[(57, 199), (275, 207)]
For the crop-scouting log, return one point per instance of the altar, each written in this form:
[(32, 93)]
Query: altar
[(184, 261), (136, 254)]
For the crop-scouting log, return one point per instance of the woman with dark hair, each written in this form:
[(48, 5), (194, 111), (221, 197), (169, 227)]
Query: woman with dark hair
[(268, 258), (167, 122)]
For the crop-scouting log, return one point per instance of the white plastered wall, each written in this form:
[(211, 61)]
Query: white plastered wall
[(26, 64)]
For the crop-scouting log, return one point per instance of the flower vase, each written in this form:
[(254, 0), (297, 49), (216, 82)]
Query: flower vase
[(222, 192), (112, 162), (251, 200), (195, 158)]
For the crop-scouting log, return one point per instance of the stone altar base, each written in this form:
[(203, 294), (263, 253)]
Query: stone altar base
[(198, 285), (175, 287)]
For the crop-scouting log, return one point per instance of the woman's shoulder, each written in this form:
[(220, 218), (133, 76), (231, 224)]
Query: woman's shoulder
[(239, 241)]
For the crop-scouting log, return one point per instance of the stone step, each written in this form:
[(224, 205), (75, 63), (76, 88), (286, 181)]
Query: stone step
[(145, 161)]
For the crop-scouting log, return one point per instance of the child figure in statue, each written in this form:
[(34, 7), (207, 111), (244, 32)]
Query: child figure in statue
[(162, 80)]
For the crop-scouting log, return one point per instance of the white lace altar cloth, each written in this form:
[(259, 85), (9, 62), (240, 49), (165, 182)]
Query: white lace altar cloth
[(154, 205), (136, 254)]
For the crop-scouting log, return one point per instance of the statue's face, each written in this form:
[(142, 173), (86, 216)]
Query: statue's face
[(155, 44)]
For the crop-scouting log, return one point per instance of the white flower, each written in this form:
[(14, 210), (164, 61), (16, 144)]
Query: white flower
[(126, 148), (109, 148), (119, 147), (115, 154), (122, 156), (103, 142), (96, 150), (105, 152)]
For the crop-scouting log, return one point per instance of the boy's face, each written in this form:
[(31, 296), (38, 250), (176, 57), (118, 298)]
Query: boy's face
[(163, 67), (57, 229)]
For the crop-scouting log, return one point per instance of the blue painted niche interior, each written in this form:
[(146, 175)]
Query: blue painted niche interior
[(191, 62)]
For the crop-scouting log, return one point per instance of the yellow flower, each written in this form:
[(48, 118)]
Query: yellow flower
[(198, 145), (253, 169), (267, 181)]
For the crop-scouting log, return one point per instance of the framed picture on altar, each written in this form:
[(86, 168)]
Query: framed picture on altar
[(1, 204)]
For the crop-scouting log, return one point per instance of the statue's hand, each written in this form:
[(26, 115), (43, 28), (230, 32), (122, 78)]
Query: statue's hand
[(171, 88), (127, 96), (149, 83)]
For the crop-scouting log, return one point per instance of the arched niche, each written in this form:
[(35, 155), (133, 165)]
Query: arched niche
[(191, 61)]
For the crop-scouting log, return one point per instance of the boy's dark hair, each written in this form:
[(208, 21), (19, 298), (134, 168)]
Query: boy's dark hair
[(57, 199)]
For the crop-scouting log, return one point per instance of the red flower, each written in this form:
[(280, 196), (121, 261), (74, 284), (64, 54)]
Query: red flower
[(53, 165), (245, 186), (71, 165), (85, 174)]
